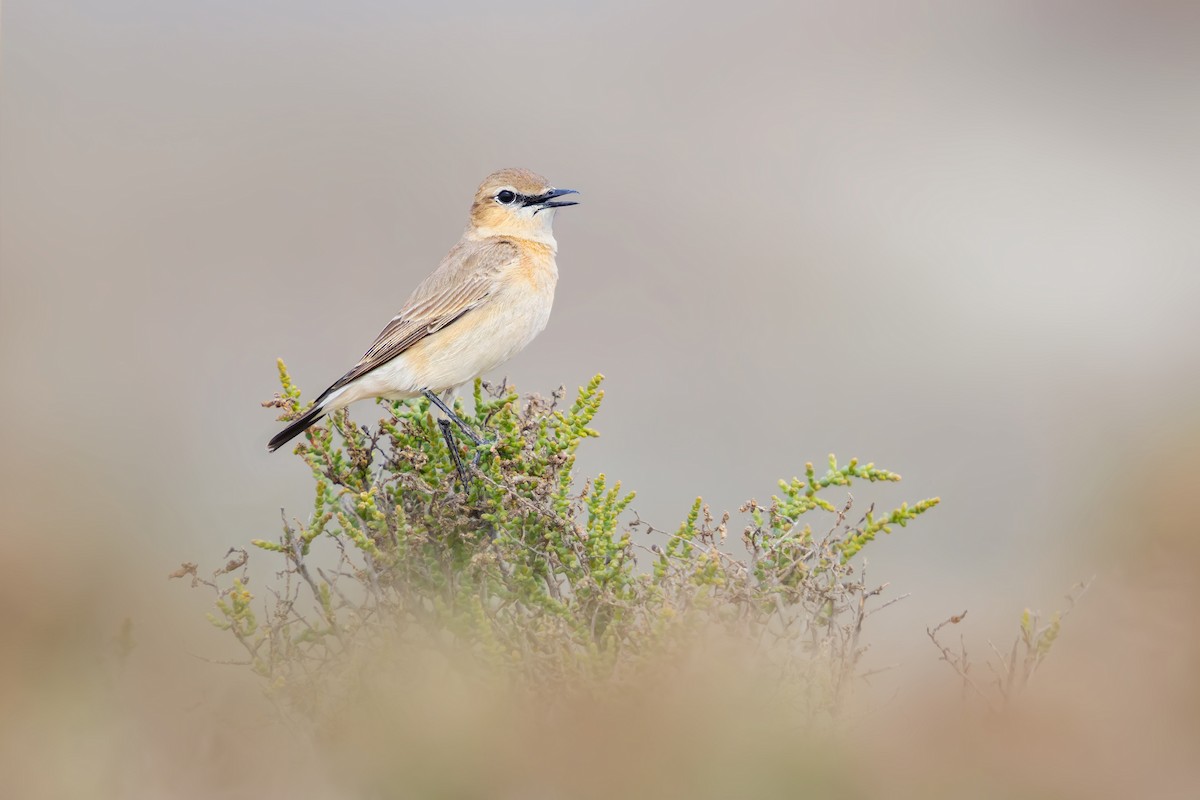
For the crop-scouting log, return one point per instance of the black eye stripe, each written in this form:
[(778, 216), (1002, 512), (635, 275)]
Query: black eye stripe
[(508, 197)]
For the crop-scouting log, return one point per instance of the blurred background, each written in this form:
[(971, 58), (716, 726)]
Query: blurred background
[(957, 240)]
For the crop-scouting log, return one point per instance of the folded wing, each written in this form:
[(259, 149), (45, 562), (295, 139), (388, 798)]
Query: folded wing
[(462, 283)]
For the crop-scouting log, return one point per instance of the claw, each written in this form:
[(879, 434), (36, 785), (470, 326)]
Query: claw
[(483, 444)]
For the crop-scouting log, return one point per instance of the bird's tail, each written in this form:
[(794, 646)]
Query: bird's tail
[(297, 427)]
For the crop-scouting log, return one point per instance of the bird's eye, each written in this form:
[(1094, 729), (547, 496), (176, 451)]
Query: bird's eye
[(506, 196)]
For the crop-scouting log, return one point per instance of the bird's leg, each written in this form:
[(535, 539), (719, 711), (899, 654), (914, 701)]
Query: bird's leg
[(464, 427), (448, 435)]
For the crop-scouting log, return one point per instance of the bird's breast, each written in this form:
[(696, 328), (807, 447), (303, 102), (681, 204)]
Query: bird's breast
[(536, 268), (517, 310), (525, 294)]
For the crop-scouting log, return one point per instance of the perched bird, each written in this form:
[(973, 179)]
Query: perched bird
[(483, 304)]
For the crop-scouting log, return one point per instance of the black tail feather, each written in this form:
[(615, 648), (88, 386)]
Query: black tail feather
[(295, 428)]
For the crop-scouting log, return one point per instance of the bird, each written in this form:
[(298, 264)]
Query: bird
[(486, 301)]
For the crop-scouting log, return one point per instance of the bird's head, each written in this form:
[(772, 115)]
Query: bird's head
[(517, 203)]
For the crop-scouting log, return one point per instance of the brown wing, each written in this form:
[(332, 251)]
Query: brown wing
[(461, 283)]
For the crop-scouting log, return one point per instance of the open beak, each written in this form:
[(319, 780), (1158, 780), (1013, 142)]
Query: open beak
[(546, 199)]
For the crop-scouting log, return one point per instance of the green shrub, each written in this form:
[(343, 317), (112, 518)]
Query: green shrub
[(537, 578)]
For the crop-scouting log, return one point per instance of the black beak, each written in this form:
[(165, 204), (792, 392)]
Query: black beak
[(546, 199)]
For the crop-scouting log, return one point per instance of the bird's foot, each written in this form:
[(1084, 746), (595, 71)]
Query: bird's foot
[(483, 445), (452, 446), (467, 430)]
